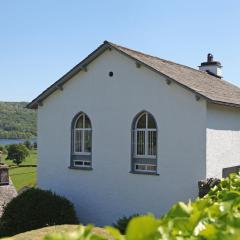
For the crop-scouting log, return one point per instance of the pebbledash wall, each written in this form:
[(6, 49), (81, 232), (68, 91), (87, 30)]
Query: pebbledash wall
[(109, 191), (223, 139)]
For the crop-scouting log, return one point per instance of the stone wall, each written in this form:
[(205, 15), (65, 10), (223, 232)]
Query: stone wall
[(7, 193)]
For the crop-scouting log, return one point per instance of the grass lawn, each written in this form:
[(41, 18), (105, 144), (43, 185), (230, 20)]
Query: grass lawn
[(24, 176), (40, 233)]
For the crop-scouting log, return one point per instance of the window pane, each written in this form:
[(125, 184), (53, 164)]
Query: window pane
[(146, 167), (151, 168), (152, 143), (88, 141), (78, 141), (151, 122), (87, 122), (79, 123), (140, 167), (140, 142), (142, 121)]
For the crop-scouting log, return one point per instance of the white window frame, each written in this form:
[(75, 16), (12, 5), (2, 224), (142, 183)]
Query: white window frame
[(83, 129), (146, 131), (83, 163), (146, 165)]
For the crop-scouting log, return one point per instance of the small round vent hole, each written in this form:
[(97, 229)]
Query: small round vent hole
[(110, 74)]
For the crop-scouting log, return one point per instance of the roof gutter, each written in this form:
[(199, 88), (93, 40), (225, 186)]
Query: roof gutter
[(60, 82)]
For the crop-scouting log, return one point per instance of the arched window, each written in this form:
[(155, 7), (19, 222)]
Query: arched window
[(81, 141), (144, 157)]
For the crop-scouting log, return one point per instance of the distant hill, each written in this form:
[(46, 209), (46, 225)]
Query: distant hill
[(16, 121)]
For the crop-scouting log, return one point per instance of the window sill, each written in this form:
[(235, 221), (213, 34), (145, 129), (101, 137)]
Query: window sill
[(82, 153), (145, 173), (144, 157), (81, 168)]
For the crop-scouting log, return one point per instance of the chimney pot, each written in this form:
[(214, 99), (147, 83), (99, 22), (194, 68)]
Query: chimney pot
[(210, 57)]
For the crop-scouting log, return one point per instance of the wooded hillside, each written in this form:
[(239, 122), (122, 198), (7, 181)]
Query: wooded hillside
[(16, 121)]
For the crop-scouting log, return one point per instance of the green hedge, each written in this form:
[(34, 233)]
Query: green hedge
[(123, 222)]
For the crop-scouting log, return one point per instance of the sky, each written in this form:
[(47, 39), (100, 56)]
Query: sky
[(41, 40)]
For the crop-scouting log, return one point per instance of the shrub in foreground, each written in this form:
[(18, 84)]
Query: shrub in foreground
[(123, 222), (36, 208)]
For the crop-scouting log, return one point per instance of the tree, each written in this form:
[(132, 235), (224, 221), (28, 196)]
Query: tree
[(28, 144), (17, 153)]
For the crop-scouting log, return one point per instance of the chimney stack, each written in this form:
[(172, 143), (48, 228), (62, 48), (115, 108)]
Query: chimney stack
[(212, 67)]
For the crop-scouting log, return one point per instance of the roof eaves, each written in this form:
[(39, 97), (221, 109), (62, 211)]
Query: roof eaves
[(228, 104), (108, 45), (197, 93), (60, 82)]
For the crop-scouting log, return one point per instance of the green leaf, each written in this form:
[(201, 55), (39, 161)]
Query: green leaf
[(143, 228), (180, 210), (115, 233), (209, 231)]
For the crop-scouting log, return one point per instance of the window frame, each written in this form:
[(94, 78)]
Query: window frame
[(145, 170), (83, 130), (146, 131), (80, 157), (146, 159)]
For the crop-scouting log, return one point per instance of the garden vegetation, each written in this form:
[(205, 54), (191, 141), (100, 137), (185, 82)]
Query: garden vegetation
[(34, 209), (213, 217), (216, 216)]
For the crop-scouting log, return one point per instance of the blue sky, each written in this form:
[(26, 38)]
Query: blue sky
[(41, 40)]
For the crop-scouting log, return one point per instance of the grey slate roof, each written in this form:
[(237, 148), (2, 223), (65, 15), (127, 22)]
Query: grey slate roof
[(7, 193), (213, 89)]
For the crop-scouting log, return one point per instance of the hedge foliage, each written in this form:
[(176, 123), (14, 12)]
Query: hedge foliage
[(34, 209), (123, 222), (215, 217)]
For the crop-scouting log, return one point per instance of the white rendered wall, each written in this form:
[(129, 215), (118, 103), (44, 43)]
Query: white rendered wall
[(223, 139), (109, 191)]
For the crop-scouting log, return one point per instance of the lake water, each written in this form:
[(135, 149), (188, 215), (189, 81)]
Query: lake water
[(14, 141)]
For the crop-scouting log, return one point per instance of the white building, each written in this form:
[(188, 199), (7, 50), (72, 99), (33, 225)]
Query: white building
[(124, 132)]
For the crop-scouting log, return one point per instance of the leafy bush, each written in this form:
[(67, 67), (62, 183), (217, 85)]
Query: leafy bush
[(34, 209), (17, 153), (215, 217), (122, 223)]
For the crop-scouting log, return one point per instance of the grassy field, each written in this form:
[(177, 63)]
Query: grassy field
[(24, 176), (40, 233)]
